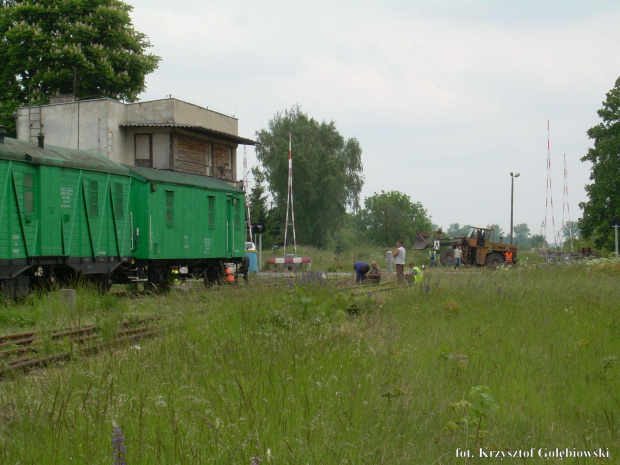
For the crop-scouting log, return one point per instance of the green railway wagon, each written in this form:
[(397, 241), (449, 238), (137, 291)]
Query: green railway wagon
[(62, 212), (185, 223)]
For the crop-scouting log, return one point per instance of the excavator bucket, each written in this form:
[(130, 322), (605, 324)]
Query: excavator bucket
[(421, 242)]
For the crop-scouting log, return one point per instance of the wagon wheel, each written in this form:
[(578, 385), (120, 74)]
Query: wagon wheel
[(159, 279), (494, 259), (212, 275), (447, 257), (101, 283)]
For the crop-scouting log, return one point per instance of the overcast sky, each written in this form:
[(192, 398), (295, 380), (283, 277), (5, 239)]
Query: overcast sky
[(446, 97)]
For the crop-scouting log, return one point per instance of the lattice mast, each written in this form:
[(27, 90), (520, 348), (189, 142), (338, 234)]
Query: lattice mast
[(566, 208), (289, 200), (248, 220), (549, 198)]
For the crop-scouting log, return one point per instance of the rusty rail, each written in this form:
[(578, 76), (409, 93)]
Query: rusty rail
[(78, 336)]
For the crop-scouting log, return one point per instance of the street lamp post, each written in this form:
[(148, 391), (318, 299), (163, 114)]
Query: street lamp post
[(512, 195)]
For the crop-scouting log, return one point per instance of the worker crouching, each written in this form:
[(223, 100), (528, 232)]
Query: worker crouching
[(229, 276)]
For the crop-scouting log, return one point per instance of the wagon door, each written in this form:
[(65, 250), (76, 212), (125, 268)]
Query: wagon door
[(230, 226), (25, 232), (51, 232)]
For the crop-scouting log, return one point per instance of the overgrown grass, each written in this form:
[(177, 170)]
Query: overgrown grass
[(511, 359)]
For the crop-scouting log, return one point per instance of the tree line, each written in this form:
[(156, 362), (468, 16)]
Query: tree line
[(91, 50)]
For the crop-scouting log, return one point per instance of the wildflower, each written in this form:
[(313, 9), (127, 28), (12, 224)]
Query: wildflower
[(118, 448), (255, 460)]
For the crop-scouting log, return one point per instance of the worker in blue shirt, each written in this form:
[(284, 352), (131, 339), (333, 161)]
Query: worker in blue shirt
[(361, 268)]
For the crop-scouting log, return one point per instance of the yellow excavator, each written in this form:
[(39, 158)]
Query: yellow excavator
[(478, 245)]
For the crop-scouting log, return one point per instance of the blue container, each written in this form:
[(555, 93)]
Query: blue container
[(253, 256)]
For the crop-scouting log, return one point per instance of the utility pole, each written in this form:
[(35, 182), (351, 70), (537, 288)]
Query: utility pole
[(512, 194)]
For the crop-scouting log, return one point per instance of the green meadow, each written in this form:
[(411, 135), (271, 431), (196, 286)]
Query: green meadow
[(471, 366)]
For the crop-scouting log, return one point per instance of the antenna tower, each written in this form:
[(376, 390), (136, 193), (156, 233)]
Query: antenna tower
[(248, 221), (289, 199), (566, 207), (549, 199)]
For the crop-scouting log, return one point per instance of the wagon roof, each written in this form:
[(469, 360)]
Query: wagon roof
[(174, 177), (14, 149)]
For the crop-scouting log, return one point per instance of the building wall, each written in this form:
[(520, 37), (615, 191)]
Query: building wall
[(178, 112), (84, 125), (96, 125)]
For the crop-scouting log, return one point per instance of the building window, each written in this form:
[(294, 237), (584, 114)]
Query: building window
[(93, 198), (169, 207), (119, 198), (160, 148), (223, 161), (211, 206), (144, 150), (153, 150), (29, 193)]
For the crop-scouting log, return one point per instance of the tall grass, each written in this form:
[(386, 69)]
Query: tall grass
[(308, 374)]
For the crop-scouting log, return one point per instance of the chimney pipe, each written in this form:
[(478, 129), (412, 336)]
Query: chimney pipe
[(2, 134), (41, 139)]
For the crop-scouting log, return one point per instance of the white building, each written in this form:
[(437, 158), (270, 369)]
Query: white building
[(165, 134)]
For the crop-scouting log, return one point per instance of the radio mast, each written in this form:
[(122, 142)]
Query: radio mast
[(248, 221), (289, 199), (549, 199), (566, 207)]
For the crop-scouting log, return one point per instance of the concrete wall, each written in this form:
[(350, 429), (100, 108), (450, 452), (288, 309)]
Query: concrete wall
[(95, 125), (84, 125), (179, 112)]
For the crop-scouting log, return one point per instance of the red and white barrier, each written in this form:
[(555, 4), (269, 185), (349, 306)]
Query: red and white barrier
[(288, 260)]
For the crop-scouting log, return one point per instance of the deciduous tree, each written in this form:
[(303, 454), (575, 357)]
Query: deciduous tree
[(571, 229), (521, 234), (392, 216), (85, 48), (455, 229), (604, 192), (537, 241), (327, 172), (499, 232)]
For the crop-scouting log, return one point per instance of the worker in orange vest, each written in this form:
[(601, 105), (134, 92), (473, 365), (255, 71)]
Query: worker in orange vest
[(230, 277), (508, 257)]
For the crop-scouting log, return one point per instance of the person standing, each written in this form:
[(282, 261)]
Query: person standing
[(399, 261), (458, 257), (244, 268), (361, 268), (432, 255)]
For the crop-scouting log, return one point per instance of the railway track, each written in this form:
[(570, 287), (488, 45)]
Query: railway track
[(22, 351)]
